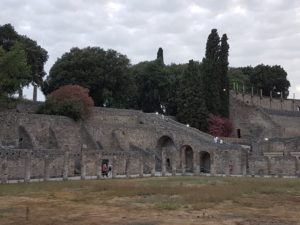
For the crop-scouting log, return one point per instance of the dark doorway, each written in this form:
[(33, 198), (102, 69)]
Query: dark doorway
[(77, 167), (168, 165), (189, 159), (204, 162), (239, 133)]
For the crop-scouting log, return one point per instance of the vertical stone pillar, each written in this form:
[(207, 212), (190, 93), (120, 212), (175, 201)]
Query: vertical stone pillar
[(98, 166), (127, 163), (183, 161), (141, 164), (46, 168), (66, 165), (83, 166), (114, 167), (244, 161), (4, 170), (196, 163), (163, 162), (174, 161), (27, 166), (212, 164), (269, 165), (297, 166), (153, 166)]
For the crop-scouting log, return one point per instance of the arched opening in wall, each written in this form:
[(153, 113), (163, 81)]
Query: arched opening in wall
[(164, 144), (187, 158), (204, 162), (25, 141)]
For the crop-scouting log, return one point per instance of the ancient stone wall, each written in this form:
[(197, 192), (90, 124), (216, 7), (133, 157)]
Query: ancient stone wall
[(42, 147), (269, 103)]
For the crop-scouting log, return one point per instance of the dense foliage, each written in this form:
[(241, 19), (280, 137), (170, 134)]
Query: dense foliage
[(215, 78), (35, 56), (69, 100), (267, 78), (219, 126), (191, 107), (14, 70), (104, 73)]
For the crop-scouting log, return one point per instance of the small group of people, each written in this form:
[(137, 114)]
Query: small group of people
[(218, 140), (106, 170)]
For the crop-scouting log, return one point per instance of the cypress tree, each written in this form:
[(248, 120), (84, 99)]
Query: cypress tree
[(211, 83), (160, 56), (191, 108), (223, 76)]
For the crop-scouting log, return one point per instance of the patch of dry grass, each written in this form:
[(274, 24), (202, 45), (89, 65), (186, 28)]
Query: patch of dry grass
[(115, 200)]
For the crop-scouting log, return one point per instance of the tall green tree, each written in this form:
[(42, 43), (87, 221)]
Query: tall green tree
[(36, 56), (152, 83), (191, 107), (8, 36), (210, 70), (160, 56), (174, 72), (270, 79), (104, 73), (14, 70), (261, 77), (223, 77)]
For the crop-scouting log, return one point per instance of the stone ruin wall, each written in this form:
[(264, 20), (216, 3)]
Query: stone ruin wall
[(42, 147)]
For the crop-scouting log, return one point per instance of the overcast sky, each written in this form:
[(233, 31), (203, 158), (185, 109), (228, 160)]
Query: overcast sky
[(259, 31)]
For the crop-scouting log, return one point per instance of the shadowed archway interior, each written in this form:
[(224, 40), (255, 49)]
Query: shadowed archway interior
[(164, 144)]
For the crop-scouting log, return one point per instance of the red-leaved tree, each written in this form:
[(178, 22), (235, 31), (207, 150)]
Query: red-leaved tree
[(219, 127), (69, 100)]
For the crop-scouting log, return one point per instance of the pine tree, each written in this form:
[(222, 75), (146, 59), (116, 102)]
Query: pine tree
[(223, 76), (191, 108), (211, 83)]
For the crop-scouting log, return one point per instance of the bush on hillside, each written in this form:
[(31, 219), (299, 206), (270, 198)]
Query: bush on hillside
[(219, 127), (69, 100)]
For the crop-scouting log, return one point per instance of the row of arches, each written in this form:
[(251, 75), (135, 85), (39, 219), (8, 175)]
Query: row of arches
[(184, 159)]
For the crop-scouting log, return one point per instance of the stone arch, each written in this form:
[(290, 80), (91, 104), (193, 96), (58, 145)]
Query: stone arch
[(25, 141), (187, 158), (205, 162), (164, 154)]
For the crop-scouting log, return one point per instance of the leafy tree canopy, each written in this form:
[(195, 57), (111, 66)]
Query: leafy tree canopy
[(35, 55), (152, 84), (14, 70), (265, 77), (104, 73), (191, 107)]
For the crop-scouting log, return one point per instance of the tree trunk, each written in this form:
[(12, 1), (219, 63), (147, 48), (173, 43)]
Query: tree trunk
[(34, 92), (20, 91)]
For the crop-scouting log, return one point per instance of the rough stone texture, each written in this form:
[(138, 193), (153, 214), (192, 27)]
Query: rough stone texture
[(132, 142)]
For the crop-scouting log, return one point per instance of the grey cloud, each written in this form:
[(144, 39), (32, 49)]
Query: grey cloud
[(259, 31)]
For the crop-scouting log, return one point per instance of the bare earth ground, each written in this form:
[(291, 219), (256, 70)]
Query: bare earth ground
[(152, 201)]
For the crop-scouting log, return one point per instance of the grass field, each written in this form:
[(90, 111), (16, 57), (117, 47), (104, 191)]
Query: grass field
[(152, 201)]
